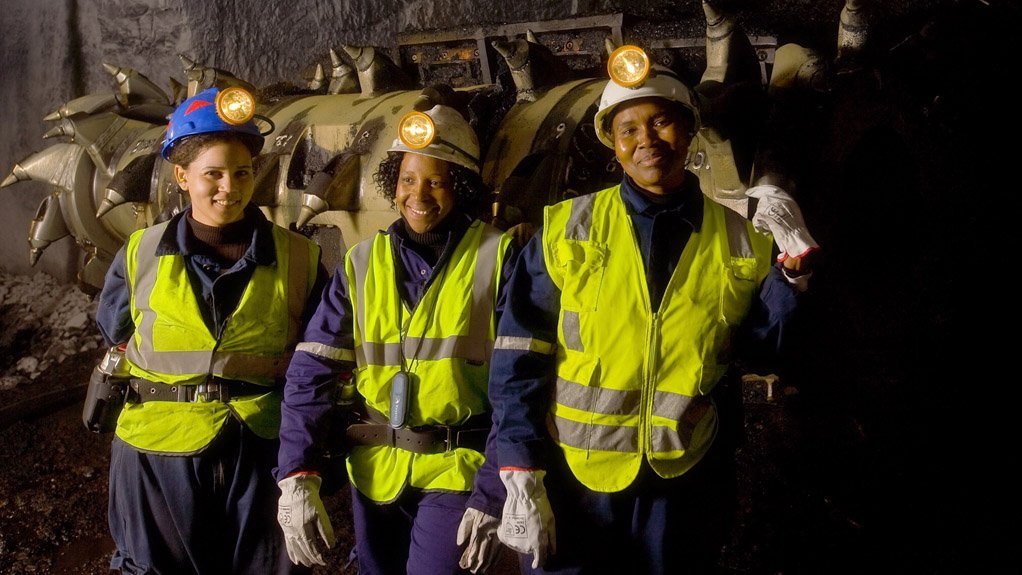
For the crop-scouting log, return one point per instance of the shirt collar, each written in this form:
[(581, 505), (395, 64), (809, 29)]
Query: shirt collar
[(689, 203)]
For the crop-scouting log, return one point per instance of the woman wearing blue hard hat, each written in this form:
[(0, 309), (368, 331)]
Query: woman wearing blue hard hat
[(207, 307)]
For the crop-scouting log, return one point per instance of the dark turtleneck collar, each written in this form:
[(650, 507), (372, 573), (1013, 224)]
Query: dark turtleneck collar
[(430, 245), (227, 243)]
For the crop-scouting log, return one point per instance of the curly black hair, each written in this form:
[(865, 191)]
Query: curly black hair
[(471, 194)]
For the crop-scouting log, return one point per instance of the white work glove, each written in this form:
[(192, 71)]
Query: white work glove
[(303, 519), (480, 531), (527, 525), (777, 213)]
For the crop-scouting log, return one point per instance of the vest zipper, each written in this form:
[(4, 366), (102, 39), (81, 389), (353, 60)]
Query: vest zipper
[(648, 391)]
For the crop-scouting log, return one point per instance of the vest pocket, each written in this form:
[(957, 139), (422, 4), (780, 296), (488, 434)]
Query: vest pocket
[(582, 267), (744, 268), (737, 289)]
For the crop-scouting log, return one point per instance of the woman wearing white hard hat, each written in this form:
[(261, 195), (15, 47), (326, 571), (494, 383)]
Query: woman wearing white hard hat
[(412, 313), (207, 307), (628, 305)]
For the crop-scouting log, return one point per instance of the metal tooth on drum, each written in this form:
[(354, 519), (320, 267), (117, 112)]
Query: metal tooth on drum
[(315, 172)]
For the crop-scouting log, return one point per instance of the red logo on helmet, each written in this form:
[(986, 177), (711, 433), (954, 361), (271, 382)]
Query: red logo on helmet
[(196, 105)]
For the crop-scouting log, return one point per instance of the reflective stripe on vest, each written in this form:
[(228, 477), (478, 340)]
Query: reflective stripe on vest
[(633, 381), (512, 343), (326, 351), (180, 349), (444, 344), (172, 344)]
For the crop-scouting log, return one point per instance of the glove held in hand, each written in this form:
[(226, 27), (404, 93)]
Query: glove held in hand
[(527, 524), (777, 213), (480, 531), (303, 519)]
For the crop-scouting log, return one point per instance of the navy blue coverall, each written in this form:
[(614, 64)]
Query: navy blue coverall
[(214, 511), (416, 532), (656, 525)]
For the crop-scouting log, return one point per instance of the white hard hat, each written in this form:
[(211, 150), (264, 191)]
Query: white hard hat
[(632, 76), (440, 132)]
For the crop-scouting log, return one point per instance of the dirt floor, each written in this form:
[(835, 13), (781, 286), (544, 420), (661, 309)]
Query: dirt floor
[(53, 491), (827, 483), (53, 472)]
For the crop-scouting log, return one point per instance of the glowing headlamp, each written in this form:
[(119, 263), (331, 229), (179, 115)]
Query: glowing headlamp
[(235, 106), (628, 66), (416, 130)]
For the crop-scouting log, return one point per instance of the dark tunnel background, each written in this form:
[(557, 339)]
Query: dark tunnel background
[(897, 452)]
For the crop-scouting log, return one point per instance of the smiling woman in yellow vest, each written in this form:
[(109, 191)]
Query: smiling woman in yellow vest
[(629, 306), (207, 307), (410, 315)]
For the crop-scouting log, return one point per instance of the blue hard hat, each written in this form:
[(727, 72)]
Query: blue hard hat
[(204, 113)]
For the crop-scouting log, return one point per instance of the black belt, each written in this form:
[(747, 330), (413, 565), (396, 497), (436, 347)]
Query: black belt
[(215, 389), (425, 439)]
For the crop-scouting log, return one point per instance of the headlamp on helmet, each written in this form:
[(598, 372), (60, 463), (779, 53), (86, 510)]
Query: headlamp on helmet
[(235, 106), (416, 130), (440, 132), (628, 66), (634, 76)]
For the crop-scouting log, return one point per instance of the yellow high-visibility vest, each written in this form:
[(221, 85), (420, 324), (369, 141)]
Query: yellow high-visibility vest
[(633, 382), (444, 344), (172, 344)]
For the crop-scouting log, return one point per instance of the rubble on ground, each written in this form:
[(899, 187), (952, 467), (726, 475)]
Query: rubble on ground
[(42, 323)]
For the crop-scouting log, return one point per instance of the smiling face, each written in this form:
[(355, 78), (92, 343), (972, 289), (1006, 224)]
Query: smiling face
[(651, 139), (425, 192), (219, 182)]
